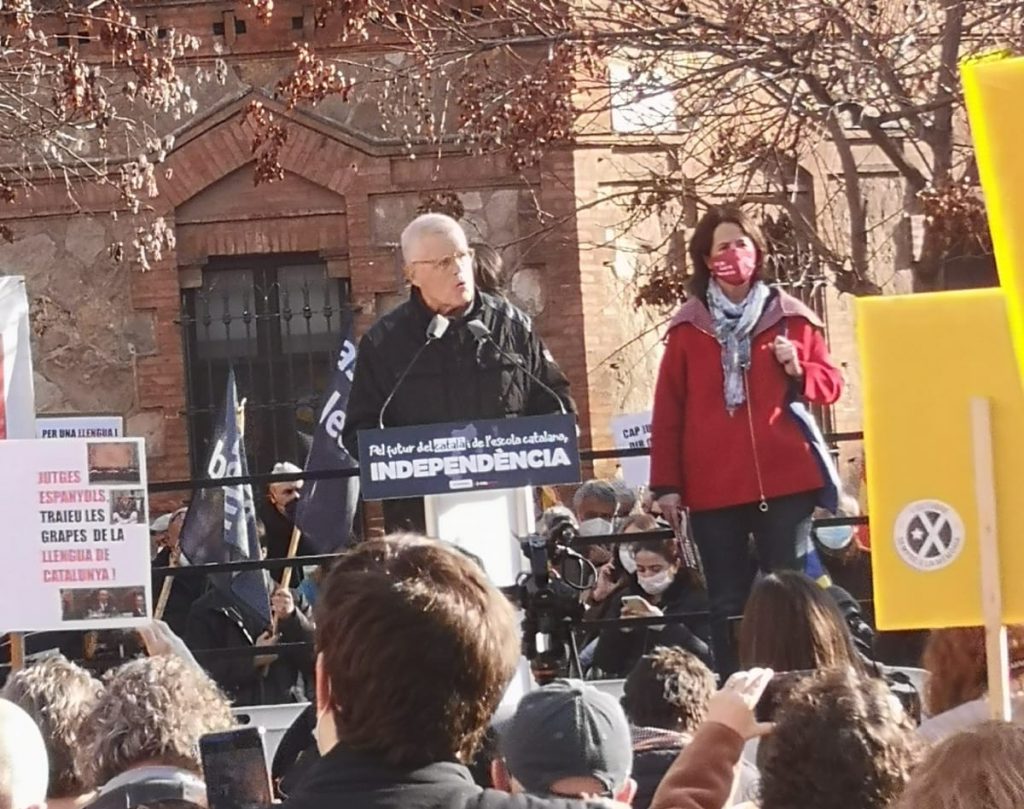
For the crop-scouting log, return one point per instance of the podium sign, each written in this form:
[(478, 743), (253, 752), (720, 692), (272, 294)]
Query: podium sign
[(468, 456)]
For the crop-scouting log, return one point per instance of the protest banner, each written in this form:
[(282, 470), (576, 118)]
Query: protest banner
[(995, 129), (79, 426), (468, 456), (923, 357), (77, 555), (327, 508), (17, 394), (633, 431)]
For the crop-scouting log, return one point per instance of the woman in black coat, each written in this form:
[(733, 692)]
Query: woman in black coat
[(663, 586)]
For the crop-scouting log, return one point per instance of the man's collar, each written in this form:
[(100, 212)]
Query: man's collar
[(342, 765), (424, 313)]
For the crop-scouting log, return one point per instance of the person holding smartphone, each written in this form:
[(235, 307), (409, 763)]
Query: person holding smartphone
[(662, 586)]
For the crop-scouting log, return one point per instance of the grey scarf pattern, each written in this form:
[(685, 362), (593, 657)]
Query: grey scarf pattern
[(734, 323)]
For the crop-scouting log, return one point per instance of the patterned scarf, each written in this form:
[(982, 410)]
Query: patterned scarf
[(734, 323)]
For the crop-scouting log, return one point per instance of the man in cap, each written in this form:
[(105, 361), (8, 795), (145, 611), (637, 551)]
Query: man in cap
[(166, 533), (566, 740), (278, 515)]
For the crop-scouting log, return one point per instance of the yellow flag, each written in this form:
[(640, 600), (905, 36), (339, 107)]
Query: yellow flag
[(993, 89), (922, 359)]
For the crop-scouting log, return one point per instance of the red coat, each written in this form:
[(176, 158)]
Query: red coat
[(710, 457)]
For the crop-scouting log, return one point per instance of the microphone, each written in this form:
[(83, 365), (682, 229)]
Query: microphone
[(435, 331), (483, 334)]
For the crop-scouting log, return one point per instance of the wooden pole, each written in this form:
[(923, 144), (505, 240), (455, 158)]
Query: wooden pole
[(17, 651), (293, 551), (996, 649), (165, 589)]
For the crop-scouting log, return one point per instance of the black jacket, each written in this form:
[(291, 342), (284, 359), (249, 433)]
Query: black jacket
[(455, 378), (344, 778), (215, 622), (617, 650)]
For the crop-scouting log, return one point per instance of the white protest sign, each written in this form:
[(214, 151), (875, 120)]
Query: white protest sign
[(79, 426), (77, 550), (633, 431), (17, 393)]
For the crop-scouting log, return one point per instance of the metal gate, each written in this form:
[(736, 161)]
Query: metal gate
[(276, 320)]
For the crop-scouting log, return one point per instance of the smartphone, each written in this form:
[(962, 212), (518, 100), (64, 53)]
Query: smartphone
[(235, 769), (633, 600)]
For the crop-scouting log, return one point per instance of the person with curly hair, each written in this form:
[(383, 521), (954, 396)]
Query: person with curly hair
[(148, 722), (58, 695), (666, 698), (980, 767), (841, 741), (954, 695)]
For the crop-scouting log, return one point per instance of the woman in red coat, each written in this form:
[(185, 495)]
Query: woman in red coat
[(724, 444)]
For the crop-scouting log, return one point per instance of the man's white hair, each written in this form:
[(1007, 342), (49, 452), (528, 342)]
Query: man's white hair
[(432, 224), (24, 768)]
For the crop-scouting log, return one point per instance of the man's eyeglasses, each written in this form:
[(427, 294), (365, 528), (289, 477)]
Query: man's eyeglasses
[(446, 263)]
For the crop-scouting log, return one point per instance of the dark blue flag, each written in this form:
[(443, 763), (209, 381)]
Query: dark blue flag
[(220, 525), (327, 507)]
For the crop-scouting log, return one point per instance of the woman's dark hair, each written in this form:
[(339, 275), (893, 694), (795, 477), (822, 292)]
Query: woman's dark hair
[(668, 549), (702, 242), (668, 688), (488, 269), (792, 624), (841, 741)]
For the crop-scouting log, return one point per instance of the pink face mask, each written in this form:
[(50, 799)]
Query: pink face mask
[(734, 265)]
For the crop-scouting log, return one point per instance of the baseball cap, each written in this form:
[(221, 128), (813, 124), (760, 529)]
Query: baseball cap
[(567, 729), (163, 522)]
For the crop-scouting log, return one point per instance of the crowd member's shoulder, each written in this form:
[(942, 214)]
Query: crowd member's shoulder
[(391, 324), (501, 310), (493, 799), (790, 306)]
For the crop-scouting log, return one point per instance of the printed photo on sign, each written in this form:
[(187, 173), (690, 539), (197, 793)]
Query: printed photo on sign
[(127, 506), (113, 462), (929, 534), (103, 603)]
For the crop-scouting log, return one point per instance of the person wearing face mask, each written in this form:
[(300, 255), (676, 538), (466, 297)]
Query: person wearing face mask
[(660, 586), (277, 512), (724, 444)]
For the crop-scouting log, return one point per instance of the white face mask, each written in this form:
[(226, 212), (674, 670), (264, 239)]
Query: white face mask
[(834, 537), (658, 583), (627, 560), (595, 527)]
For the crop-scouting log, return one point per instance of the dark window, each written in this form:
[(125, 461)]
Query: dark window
[(240, 27), (218, 29), (297, 23), (276, 320)]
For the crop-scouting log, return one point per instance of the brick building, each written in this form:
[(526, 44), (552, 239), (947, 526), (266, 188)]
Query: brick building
[(260, 275)]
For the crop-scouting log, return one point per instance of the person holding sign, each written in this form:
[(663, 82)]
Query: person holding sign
[(723, 441), (449, 353)]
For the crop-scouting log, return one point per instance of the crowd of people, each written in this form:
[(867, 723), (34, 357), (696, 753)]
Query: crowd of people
[(414, 650), (749, 677)]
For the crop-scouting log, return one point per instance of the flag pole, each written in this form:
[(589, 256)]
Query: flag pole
[(165, 589), (293, 551)]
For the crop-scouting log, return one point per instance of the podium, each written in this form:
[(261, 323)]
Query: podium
[(477, 480)]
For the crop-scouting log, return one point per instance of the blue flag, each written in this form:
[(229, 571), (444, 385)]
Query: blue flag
[(327, 507), (220, 525)]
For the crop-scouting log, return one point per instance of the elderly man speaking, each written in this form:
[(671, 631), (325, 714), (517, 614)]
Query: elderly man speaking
[(456, 377)]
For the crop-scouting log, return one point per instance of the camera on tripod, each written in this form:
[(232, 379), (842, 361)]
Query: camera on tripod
[(549, 594)]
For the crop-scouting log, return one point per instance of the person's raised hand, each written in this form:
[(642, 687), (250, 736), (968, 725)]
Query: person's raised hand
[(671, 506), (160, 639), (282, 602), (733, 706), (785, 353)]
